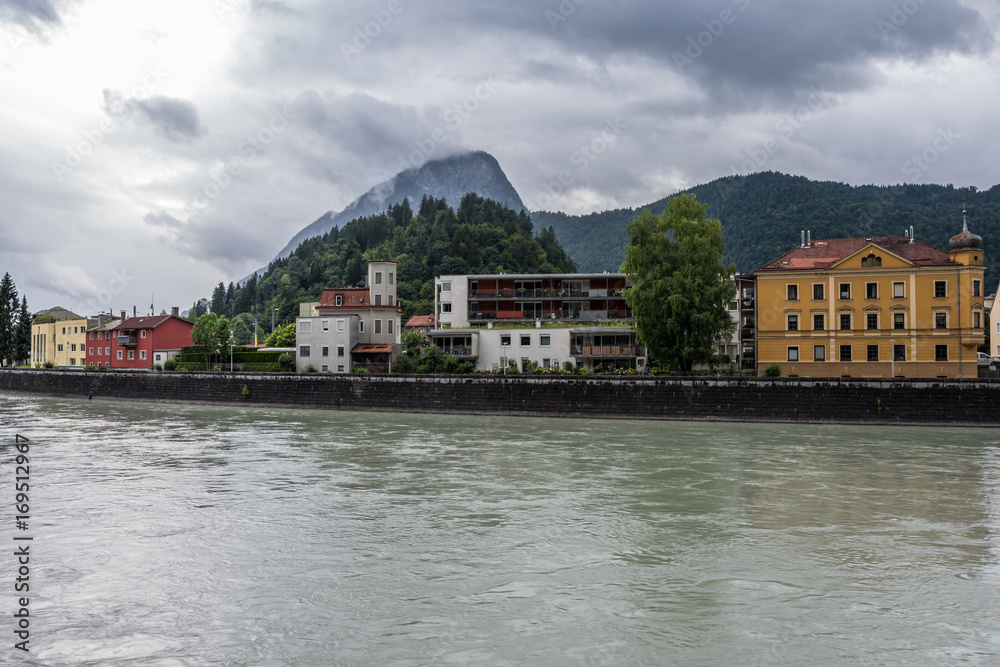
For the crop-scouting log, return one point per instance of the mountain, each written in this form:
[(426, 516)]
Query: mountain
[(763, 214), (449, 178)]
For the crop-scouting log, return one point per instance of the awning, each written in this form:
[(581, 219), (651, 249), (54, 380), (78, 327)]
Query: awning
[(365, 348)]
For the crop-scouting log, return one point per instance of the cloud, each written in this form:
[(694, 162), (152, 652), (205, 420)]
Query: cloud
[(175, 119), (34, 15)]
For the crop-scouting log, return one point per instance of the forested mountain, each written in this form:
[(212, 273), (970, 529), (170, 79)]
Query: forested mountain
[(762, 216), (481, 236)]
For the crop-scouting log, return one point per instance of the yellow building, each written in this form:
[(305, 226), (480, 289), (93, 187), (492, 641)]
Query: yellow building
[(59, 336), (871, 307)]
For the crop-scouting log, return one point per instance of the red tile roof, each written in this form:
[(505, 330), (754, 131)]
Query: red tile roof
[(420, 321), (353, 297), (148, 322), (822, 254), (366, 348)]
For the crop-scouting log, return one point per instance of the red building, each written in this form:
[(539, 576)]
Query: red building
[(137, 340)]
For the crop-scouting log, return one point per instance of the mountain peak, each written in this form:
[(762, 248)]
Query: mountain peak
[(449, 178)]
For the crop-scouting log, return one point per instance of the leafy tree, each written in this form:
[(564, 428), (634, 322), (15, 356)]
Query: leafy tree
[(680, 287), (411, 340), (243, 329), (283, 336), (22, 334), (8, 313), (211, 332)]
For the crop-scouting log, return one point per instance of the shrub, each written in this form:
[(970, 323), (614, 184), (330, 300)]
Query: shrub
[(245, 391), (48, 364), (360, 370), (586, 371), (286, 361), (406, 364), (170, 365), (262, 368), (309, 369), (568, 366), (773, 371), (157, 367)]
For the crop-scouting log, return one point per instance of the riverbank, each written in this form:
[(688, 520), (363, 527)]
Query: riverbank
[(904, 402)]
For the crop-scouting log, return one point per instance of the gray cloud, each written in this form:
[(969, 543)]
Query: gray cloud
[(35, 15), (175, 119)]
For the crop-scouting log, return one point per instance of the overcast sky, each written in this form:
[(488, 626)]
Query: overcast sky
[(156, 148)]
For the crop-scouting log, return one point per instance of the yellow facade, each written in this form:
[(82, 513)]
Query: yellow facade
[(62, 342), (872, 312)]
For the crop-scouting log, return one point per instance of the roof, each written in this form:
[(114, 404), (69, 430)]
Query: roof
[(420, 321), (149, 321), (823, 254), (353, 297), (57, 314), (367, 348), (522, 276)]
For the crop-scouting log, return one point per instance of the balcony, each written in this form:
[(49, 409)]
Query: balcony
[(450, 351), (127, 340), (603, 351), (567, 315)]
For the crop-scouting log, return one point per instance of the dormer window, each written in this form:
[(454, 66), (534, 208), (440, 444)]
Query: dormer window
[(339, 300)]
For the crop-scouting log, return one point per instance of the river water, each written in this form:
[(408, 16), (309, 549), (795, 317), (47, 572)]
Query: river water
[(191, 535)]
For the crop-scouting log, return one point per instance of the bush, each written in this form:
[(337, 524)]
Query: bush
[(48, 364), (773, 371), (568, 367), (262, 368), (406, 364), (157, 367), (360, 370), (286, 361), (309, 369), (170, 365)]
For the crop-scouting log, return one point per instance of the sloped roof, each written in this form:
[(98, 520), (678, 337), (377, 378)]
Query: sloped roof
[(149, 322), (368, 348), (824, 253), (57, 314), (420, 321)]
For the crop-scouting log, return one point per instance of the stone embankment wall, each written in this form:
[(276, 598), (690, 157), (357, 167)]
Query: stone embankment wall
[(928, 402)]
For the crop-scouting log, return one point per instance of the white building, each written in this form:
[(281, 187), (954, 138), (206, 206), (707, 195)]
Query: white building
[(547, 319), (352, 325)]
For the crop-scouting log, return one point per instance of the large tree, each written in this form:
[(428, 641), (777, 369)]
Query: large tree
[(22, 334), (211, 332), (8, 318), (680, 289)]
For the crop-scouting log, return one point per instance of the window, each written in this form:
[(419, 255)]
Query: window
[(818, 322), (940, 320), (378, 277), (91, 351), (378, 300), (873, 353), (871, 260), (107, 351), (819, 353), (446, 286), (158, 357), (72, 361), (340, 350), (142, 354), (131, 354), (818, 292), (142, 334), (340, 368), (871, 290), (338, 300), (898, 321), (845, 322), (304, 350), (361, 326), (975, 288), (845, 290), (505, 340), (99, 335), (793, 292), (59, 347), (378, 326), (391, 323), (340, 325), (793, 322), (977, 320), (92, 333), (72, 347), (325, 351), (898, 290), (76, 329), (119, 355), (64, 331), (899, 353), (525, 340), (390, 277), (390, 299), (445, 307), (305, 327), (793, 353), (546, 363), (940, 353), (872, 321), (324, 367), (940, 289), (545, 340), (99, 350), (325, 325), (733, 305), (845, 352)]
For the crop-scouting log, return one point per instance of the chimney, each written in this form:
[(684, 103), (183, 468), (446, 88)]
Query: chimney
[(175, 311), (135, 311), (911, 233), (809, 238), (803, 244), (100, 320), (123, 316)]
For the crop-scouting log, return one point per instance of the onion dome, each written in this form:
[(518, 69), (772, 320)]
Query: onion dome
[(965, 238)]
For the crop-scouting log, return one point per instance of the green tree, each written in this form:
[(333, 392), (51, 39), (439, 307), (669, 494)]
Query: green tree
[(8, 315), (212, 332), (22, 334), (283, 336), (680, 288), (243, 330)]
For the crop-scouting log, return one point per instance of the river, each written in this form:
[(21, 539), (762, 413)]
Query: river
[(193, 535)]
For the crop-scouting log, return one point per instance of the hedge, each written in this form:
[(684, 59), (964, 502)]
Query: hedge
[(238, 357), (262, 368)]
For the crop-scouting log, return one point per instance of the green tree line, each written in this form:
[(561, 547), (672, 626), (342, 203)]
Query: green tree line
[(15, 325)]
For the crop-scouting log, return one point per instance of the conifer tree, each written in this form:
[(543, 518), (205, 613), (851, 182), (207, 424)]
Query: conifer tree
[(22, 337)]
